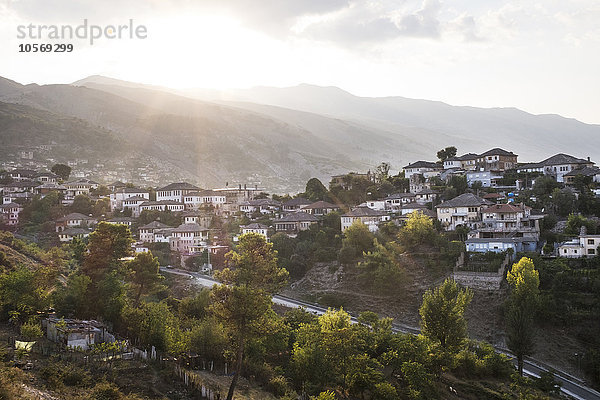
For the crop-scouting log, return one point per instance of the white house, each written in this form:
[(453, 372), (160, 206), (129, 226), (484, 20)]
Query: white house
[(295, 222), (261, 229), (320, 208), (186, 236), (146, 232), (371, 218), (78, 187), (194, 200), (162, 205), (557, 166), (487, 178), (10, 213), (582, 246), (75, 220), (466, 162), (175, 191), (67, 235), (421, 167), (120, 195), (295, 204), (463, 210)]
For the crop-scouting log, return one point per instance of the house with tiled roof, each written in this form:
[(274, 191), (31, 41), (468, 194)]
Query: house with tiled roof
[(556, 166), (261, 229), (9, 214), (422, 167), (118, 197), (146, 233), (463, 210), (162, 205), (186, 236), (497, 159), (195, 200), (67, 235), (175, 191), (466, 162), (593, 173), (75, 220), (295, 204), (295, 222), (371, 218), (320, 208)]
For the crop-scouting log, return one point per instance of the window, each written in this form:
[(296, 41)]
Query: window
[(591, 241), (591, 252)]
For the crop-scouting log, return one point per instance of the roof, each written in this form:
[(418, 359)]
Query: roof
[(465, 200), (23, 171), (298, 201), (423, 164), (586, 171), (298, 217), (189, 228), (413, 205), (117, 184), (428, 191), (46, 174), (82, 180), (137, 198), (74, 231), (261, 202), (10, 205), (503, 208), (161, 202), (154, 225), (73, 216), (558, 159), (498, 152), (364, 212), (132, 190), (179, 186), (400, 196), (493, 196), (320, 204), (464, 157), (500, 240), (255, 226), (121, 219), (50, 185)]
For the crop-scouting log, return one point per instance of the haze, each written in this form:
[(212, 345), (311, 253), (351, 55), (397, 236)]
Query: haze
[(537, 56)]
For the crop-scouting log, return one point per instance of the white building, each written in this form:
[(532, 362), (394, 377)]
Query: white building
[(463, 210), (194, 200), (186, 236), (583, 246), (120, 195), (175, 191), (146, 233), (557, 166), (10, 214), (162, 205), (261, 229), (422, 167), (371, 218)]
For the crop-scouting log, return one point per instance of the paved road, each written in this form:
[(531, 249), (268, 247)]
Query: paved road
[(571, 386)]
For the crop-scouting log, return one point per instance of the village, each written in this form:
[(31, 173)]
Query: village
[(490, 212)]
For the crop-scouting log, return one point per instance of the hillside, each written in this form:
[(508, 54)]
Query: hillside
[(425, 122), (23, 126)]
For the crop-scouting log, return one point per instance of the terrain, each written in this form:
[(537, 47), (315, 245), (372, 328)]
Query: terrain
[(275, 138)]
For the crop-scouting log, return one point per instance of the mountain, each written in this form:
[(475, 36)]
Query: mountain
[(276, 138), (213, 143), (429, 123)]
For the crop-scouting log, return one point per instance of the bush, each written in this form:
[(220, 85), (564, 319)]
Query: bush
[(346, 255), (106, 391), (31, 330), (279, 386)]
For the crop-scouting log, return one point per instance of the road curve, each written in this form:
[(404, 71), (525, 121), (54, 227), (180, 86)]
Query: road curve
[(571, 386)]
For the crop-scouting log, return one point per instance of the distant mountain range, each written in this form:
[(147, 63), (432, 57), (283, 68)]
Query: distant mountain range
[(276, 138)]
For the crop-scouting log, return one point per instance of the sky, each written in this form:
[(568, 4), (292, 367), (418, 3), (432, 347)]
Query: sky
[(539, 56)]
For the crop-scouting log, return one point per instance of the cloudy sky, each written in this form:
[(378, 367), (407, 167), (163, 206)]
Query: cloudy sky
[(541, 56)]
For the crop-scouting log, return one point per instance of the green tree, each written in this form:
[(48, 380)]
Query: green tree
[(315, 190), (446, 153), (521, 308), (82, 204), (442, 315), (62, 170), (358, 237), (243, 299), (382, 171), (144, 274), (418, 230)]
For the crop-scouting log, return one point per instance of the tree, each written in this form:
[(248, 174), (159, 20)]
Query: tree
[(446, 153), (315, 190), (521, 308), (382, 171), (107, 245), (144, 274), (358, 237), (442, 315), (417, 230), (243, 299), (82, 204), (62, 170)]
